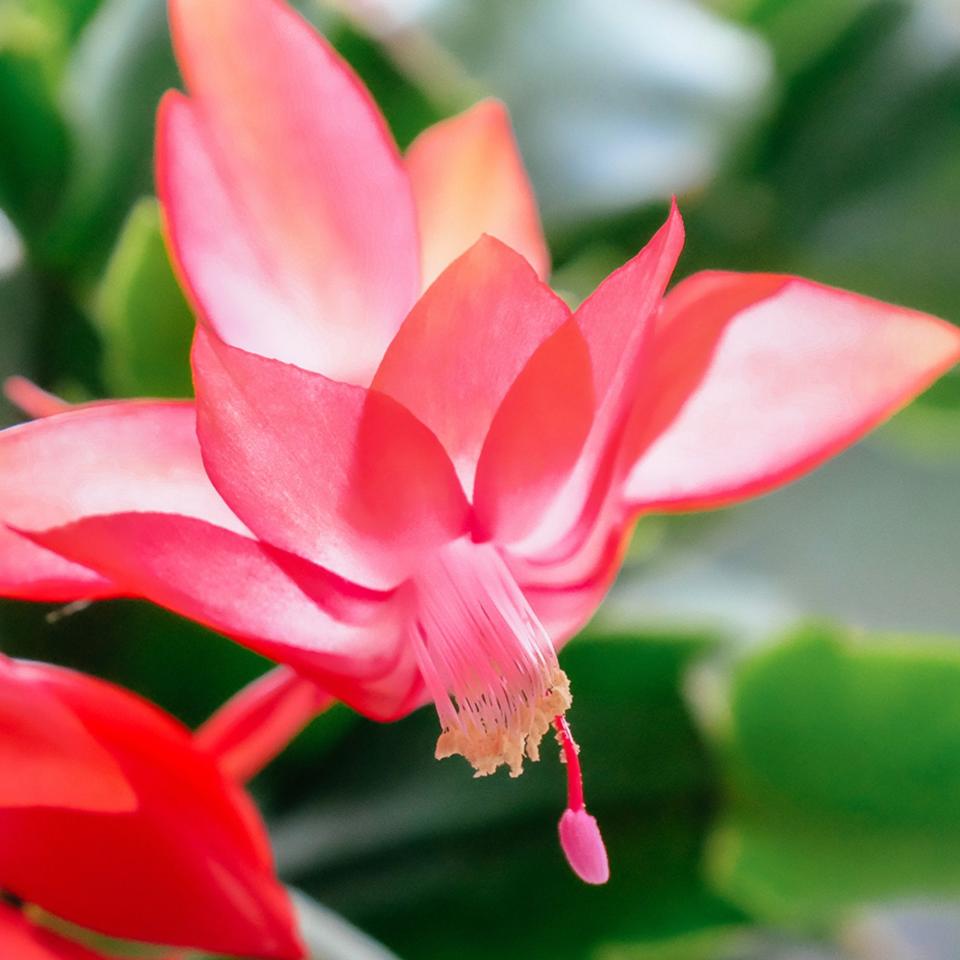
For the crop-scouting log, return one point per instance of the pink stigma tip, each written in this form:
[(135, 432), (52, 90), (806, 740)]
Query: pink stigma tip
[(583, 846), (579, 834)]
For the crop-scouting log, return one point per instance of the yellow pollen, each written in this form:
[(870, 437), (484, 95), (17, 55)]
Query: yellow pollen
[(487, 747)]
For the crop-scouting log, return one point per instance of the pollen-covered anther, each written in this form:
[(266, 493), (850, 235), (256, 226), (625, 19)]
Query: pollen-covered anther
[(506, 736), (486, 660)]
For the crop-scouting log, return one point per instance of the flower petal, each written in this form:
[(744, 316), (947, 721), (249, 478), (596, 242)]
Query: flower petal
[(21, 940), (537, 435), (468, 179), (282, 188), (566, 593), (93, 460), (47, 757), (465, 342), (210, 884), (342, 476), (106, 458), (615, 323), (34, 401), (758, 379), (275, 603), (114, 499), (29, 572)]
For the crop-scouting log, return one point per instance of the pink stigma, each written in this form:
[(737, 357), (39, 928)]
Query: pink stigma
[(579, 834)]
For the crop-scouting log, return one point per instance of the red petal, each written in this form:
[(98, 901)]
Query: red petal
[(47, 757), (208, 884), (468, 179), (288, 206), (615, 323), (758, 379), (21, 940), (464, 344), (340, 475)]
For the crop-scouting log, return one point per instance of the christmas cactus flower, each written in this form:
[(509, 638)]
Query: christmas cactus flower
[(113, 820), (411, 471)]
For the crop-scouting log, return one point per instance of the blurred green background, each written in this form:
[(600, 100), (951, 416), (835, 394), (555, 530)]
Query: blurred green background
[(769, 702)]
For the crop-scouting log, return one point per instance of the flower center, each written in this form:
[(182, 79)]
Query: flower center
[(492, 671), (488, 663)]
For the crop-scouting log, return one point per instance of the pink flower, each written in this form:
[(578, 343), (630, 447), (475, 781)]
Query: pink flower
[(114, 820), (411, 471)]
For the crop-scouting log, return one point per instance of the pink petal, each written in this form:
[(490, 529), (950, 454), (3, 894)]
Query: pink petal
[(468, 179), (49, 759), (31, 399), (288, 206), (107, 458), (615, 323), (537, 435), (465, 342), (342, 476), (758, 379), (29, 572), (281, 606), (94, 460), (566, 594), (114, 499)]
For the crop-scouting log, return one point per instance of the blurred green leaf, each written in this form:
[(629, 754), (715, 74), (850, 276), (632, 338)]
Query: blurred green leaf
[(713, 944), (18, 311), (185, 668), (845, 765), (801, 30), (33, 159), (117, 72), (143, 317), (72, 14)]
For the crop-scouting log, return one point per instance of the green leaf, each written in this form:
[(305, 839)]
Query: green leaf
[(711, 944), (845, 768), (33, 160), (117, 71), (19, 309), (72, 16), (802, 30), (144, 318)]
